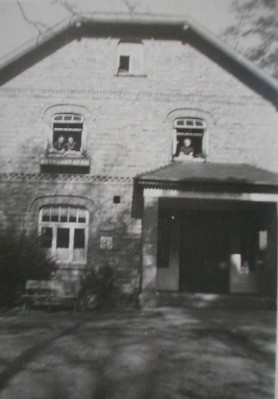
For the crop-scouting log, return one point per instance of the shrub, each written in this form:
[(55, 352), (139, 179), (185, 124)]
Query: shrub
[(100, 289), (96, 287), (21, 258)]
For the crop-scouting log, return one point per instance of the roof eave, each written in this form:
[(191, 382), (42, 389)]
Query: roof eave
[(184, 29), (234, 62), (207, 185)]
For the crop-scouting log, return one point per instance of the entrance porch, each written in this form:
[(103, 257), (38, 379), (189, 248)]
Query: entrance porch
[(204, 237)]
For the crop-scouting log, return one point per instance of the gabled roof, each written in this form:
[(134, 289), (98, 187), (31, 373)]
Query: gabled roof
[(218, 176), (142, 26)]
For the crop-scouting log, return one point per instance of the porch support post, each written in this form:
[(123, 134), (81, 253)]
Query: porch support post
[(271, 261), (149, 252)]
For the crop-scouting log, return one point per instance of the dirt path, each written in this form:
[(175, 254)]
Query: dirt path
[(169, 353)]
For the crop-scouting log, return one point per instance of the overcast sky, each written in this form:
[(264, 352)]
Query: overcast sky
[(15, 31)]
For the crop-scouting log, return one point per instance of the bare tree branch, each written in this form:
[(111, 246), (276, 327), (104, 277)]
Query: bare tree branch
[(131, 5), (38, 25), (68, 7), (254, 32)]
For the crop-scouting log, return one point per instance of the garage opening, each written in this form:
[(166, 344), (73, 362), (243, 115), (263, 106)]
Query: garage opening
[(205, 251)]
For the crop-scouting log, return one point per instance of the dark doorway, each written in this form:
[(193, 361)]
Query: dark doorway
[(205, 251)]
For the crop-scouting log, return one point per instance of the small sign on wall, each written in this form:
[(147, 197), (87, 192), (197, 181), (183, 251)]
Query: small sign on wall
[(106, 242)]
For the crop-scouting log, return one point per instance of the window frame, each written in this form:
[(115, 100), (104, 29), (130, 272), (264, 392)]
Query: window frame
[(191, 123), (127, 58), (134, 50), (54, 120), (55, 225)]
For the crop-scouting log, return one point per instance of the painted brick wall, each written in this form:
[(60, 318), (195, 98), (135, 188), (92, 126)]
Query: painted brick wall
[(17, 201), (128, 130)]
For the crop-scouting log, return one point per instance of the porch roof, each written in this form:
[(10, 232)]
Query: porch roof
[(216, 175)]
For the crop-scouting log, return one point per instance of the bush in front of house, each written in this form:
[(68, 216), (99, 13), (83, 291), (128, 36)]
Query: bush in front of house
[(100, 289), (96, 287), (21, 258)]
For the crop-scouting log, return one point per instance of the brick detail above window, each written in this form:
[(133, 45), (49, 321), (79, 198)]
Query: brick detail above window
[(71, 178)]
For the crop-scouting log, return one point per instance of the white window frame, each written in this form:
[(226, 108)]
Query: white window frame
[(135, 52), (68, 225), (192, 123), (63, 117)]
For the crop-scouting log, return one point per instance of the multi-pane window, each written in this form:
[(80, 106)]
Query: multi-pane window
[(64, 232), (67, 132), (189, 138)]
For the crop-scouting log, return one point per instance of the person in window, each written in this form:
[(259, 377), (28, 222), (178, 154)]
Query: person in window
[(71, 144), (185, 149), (59, 145)]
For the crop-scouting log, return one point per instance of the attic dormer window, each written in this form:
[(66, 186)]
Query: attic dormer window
[(67, 130), (189, 138), (130, 58)]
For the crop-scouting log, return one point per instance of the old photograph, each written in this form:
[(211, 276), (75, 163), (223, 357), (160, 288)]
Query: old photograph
[(138, 199)]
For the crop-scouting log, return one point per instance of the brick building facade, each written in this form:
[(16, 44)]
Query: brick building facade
[(168, 139)]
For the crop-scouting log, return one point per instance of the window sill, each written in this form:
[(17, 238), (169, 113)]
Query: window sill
[(189, 159), (65, 159), (64, 154), (72, 262), (130, 75)]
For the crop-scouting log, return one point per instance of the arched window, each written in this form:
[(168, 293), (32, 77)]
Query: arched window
[(64, 232), (67, 134), (189, 138)]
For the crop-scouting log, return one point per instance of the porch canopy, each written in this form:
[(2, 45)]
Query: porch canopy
[(212, 176), (246, 198)]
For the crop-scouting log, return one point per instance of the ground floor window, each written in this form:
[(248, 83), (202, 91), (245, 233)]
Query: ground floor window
[(64, 232)]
